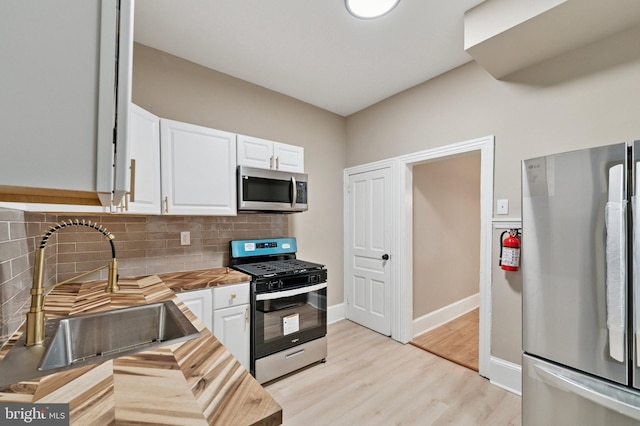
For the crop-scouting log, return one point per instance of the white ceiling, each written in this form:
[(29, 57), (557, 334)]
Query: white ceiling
[(311, 50)]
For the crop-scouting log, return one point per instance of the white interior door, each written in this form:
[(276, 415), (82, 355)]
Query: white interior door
[(368, 243)]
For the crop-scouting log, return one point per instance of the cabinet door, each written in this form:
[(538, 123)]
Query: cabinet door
[(266, 154), (255, 152), (231, 327), (200, 303), (198, 169), (288, 158), (144, 163), (57, 108)]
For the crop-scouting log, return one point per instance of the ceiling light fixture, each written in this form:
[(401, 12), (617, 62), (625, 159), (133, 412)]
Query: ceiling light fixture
[(370, 9)]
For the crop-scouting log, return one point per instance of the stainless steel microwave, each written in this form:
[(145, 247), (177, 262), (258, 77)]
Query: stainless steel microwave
[(271, 190)]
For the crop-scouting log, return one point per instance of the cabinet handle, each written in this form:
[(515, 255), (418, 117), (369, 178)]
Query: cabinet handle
[(233, 295), (246, 314), (277, 163), (271, 162), (166, 204), (132, 182)]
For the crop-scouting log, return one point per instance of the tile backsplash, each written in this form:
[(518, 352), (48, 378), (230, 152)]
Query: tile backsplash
[(18, 233), (145, 245)]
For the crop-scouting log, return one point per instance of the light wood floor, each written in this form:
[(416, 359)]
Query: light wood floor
[(456, 340), (370, 379)]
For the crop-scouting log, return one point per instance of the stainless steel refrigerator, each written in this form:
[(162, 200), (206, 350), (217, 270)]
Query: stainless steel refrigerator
[(581, 363)]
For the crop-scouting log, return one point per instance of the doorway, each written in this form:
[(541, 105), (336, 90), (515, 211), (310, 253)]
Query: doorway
[(404, 289), (401, 252), (446, 257)]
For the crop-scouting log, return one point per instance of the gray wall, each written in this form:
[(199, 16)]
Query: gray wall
[(584, 99)]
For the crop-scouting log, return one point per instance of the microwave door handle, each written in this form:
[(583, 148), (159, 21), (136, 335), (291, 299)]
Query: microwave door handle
[(294, 192)]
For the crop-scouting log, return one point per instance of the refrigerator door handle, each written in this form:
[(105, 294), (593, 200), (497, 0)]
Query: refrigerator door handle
[(635, 221), (615, 218), (613, 398), (636, 264)]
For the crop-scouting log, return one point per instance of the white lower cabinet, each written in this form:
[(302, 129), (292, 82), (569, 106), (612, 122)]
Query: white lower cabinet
[(232, 319), (231, 326), (200, 302), (226, 312)]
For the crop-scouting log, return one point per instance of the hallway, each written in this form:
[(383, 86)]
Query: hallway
[(456, 341)]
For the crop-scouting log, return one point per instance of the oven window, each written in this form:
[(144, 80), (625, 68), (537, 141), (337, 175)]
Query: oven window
[(266, 190), (284, 322), (286, 316)]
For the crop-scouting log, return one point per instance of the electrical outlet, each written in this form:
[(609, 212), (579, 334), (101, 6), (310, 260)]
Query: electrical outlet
[(185, 238)]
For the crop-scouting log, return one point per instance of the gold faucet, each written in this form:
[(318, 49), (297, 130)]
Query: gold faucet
[(35, 316)]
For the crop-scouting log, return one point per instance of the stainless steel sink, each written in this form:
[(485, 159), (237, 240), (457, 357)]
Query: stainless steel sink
[(84, 339), (105, 335)]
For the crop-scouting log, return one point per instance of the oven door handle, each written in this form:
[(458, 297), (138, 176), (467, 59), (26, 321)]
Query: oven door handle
[(289, 293)]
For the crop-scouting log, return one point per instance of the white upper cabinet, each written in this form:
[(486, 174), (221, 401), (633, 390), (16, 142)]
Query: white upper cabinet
[(288, 158), (198, 169), (265, 154), (254, 152), (65, 77), (144, 164)]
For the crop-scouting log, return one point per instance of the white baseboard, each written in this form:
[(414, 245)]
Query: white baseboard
[(443, 315), (335, 313), (505, 375)]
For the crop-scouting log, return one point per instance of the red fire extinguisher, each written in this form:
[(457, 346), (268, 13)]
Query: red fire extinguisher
[(510, 250)]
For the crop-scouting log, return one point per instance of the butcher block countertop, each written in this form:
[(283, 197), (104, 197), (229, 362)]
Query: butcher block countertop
[(197, 382), (204, 278)]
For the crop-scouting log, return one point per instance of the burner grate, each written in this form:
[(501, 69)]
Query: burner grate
[(278, 267)]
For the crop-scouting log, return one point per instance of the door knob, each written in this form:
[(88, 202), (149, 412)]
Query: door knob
[(385, 256)]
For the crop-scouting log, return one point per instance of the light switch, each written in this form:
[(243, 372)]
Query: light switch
[(503, 207)]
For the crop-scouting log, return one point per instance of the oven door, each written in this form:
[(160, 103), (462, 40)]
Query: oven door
[(286, 318)]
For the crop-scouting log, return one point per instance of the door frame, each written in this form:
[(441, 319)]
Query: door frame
[(402, 225)]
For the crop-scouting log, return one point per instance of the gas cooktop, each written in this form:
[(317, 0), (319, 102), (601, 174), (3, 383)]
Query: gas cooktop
[(277, 267), (267, 258)]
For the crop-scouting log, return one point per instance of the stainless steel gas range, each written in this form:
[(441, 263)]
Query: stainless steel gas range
[(288, 306)]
